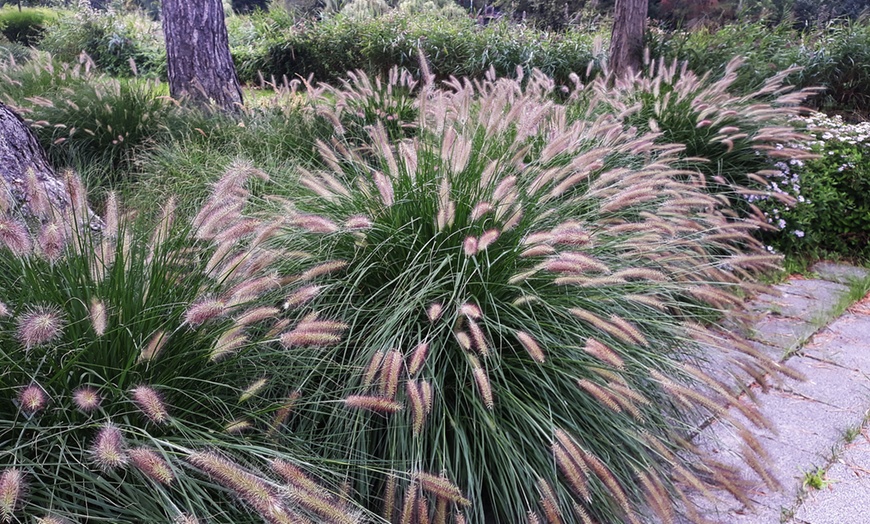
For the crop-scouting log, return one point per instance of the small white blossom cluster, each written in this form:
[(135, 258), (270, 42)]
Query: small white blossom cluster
[(787, 181)]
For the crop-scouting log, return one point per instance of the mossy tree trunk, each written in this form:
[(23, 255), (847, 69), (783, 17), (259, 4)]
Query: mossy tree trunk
[(626, 40), (198, 54)]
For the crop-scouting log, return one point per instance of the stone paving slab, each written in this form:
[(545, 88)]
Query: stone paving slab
[(811, 417), (841, 273), (846, 498)]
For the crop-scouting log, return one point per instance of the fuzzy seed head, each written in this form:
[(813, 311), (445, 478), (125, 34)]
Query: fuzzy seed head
[(487, 239), (259, 314), (250, 488), (358, 222), (97, 312), (108, 449), (32, 399), (40, 325), (204, 310), (434, 312), (238, 426), (155, 345), (301, 296), (185, 519), (418, 357), (11, 493), (441, 487), (372, 403), (87, 399), (151, 464), (51, 241), (252, 390), (52, 520), (4, 310), (390, 374), (148, 401), (14, 236), (531, 346), (483, 385), (469, 246)]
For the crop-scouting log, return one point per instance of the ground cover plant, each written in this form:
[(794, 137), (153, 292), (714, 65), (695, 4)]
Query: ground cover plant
[(135, 387)]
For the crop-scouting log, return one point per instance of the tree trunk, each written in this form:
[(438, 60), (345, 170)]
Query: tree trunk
[(23, 165), (198, 54), (626, 40)]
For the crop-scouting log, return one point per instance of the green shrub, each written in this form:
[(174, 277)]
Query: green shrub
[(453, 46), (499, 314), (831, 209), (136, 386), (121, 44), (27, 26)]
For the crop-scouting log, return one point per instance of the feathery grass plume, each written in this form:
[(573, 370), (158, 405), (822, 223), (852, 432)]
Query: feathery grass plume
[(252, 489), (52, 520), (418, 405), (51, 241), (549, 503), (151, 464), (12, 489), (531, 346), (40, 325), (154, 347), (373, 403), (441, 487), (372, 369), (283, 413), (186, 519), (108, 449), (256, 315), (301, 296), (97, 313), (204, 310), (575, 198), (418, 358), (253, 389), (14, 235), (4, 310), (238, 426), (409, 504), (390, 371), (87, 399), (228, 343), (32, 399), (148, 401)]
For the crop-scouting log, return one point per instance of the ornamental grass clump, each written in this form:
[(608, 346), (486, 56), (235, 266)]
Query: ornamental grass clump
[(113, 404), (731, 140), (506, 317)]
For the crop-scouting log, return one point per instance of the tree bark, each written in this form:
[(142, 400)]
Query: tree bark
[(32, 186), (626, 40), (198, 54)]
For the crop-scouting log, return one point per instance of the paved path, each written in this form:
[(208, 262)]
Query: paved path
[(820, 431)]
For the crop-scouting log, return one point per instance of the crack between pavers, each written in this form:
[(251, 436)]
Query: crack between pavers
[(835, 364)]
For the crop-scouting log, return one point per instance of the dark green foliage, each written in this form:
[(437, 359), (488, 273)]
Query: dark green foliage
[(453, 47), (830, 212), (25, 27)]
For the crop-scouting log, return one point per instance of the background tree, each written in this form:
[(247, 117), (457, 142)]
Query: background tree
[(198, 53), (626, 41)]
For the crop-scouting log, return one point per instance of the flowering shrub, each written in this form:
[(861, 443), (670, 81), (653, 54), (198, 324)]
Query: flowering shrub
[(830, 209), (135, 387), (501, 314)]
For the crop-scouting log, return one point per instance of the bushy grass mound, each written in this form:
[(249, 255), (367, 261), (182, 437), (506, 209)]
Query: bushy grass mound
[(502, 315), (731, 140), (136, 387)]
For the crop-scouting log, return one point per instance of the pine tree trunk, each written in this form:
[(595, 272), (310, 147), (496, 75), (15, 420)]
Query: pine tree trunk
[(198, 54), (20, 153), (626, 41), (24, 168)]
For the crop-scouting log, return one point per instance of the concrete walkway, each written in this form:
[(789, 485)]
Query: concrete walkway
[(819, 446)]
